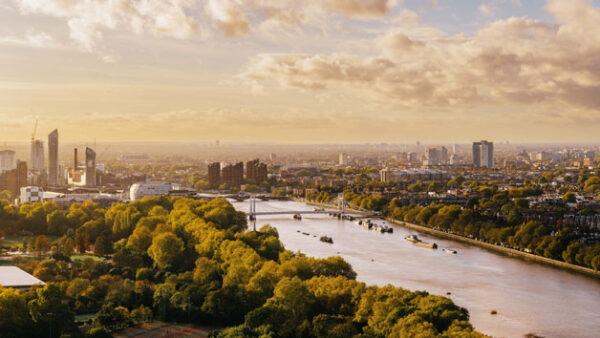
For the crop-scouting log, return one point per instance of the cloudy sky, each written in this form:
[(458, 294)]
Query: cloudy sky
[(301, 71)]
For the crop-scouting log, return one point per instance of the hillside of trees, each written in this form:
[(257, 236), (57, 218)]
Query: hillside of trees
[(184, 260)]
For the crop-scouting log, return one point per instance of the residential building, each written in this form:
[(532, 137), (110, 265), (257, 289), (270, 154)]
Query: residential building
[(14, 179), (483, 154), (214, 174)]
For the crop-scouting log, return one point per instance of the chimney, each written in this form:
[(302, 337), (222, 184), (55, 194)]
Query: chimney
[(75, 158)]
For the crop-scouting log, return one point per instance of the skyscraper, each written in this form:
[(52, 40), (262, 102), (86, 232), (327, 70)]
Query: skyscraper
[(90, 167), (483, 154), (53, 158), (476, 154), (487, 154), (37, 156)]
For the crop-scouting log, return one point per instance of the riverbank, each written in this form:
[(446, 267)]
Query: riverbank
[(493, 247), (497, 248)]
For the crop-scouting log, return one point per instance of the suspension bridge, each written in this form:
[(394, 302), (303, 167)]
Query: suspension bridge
[(340, 210)]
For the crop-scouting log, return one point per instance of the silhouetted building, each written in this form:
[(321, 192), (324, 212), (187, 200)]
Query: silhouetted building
[(262, 173), (53, 158), (75, 159), (37, 156), (256, 172), (233, 175), (214, 174), (90, 167), (13, 180), (237, 174)]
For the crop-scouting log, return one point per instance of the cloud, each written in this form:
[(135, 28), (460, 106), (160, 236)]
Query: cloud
[(89, 20), (34, 40), (516, 61), (485, 9)]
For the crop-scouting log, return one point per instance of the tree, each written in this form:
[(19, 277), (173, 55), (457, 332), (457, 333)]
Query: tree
[(82, 240), (569, 197), (49, 312), (68, 247), (165, 248), (14, 316), (103, 246), (41, 245), (57, 222), (522, 203), (434, 186), (6, 195)]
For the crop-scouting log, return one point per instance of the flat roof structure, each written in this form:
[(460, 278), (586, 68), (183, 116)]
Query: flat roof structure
[(13, 277)]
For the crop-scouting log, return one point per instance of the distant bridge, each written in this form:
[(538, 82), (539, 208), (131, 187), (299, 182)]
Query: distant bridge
[(308, 212), (339, 212)]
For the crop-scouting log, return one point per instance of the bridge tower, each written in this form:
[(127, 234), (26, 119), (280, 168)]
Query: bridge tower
[(253, 210), (341, 202)]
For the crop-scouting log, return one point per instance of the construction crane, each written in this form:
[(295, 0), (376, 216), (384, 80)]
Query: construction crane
[(34, 130)]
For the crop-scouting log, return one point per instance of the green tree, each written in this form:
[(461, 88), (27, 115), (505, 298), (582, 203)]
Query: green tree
[(49, 312), (41, 245), (14, 316), (103, 246), (165, 249), (569, 197)]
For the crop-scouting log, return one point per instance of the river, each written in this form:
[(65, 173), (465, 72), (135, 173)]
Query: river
[(529, 297)]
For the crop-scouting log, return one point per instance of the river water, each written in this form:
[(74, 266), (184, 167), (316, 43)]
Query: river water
[(529, 297)]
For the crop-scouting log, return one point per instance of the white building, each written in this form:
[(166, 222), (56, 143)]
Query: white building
[(344, 159), (140, 190), (13, 277), (32, 194), (483, 154)]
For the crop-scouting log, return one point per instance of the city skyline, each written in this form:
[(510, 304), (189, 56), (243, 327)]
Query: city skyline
[(339, 71)]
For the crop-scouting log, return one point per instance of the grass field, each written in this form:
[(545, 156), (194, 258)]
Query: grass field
[(82, 257)]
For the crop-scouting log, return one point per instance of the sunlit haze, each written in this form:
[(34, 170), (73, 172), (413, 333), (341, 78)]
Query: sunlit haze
[(332, 71)]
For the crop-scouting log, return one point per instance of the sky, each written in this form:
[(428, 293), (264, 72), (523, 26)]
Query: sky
[(300, 71)]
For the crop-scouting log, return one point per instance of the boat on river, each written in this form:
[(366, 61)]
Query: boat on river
[(412, 238), (417, 241), (326, 239), (450, 251)]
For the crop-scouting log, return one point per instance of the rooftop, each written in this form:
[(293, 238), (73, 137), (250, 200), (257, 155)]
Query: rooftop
[(13, 277)]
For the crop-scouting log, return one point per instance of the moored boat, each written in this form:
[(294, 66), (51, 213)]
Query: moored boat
[(412, 238), (450, 251), (326, 239)]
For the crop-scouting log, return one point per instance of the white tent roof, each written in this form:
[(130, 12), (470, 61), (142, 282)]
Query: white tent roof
[(11, 276)]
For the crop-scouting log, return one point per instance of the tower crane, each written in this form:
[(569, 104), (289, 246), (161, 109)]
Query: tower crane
[(34, 130)]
